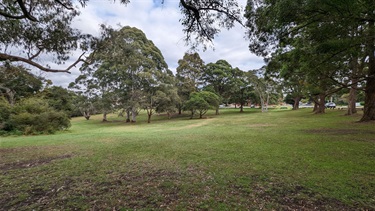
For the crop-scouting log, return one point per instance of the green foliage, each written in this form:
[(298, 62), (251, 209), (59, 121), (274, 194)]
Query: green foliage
[(59, 98), (5, 111), (17, 82), (124, 73), (48, 33), (202, 101), (35, 116), (328, 46)]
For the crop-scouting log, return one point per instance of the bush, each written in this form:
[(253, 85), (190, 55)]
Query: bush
[(5, 111), (35, 116)]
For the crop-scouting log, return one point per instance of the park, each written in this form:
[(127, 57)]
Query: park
[(282, 159), (187, 105)]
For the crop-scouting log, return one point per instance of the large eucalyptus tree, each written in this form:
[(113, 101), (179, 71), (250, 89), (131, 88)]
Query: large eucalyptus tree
[(188, 76), (127, 67), (334, 30)]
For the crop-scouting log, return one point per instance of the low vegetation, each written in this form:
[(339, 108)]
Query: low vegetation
[(290, 160)]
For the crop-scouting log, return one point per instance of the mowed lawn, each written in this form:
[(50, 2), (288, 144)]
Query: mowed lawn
[(282, 160)]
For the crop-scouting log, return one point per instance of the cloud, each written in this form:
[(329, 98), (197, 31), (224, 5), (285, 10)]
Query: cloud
[(161, 24)]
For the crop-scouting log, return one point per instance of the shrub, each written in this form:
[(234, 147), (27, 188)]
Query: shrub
[(35, 116), (5, 110)]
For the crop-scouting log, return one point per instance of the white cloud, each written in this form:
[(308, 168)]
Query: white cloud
[(161, 24)]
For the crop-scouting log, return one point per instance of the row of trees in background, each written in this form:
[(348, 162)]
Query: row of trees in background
[(313, 49), (127, 72)]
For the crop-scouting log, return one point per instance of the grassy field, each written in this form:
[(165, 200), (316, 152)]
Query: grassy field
[(288, 160)]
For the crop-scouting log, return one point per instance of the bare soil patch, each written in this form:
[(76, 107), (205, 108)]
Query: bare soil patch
[(32, 163)]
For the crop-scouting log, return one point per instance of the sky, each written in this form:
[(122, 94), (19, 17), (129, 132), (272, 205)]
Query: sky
[(160, 23)]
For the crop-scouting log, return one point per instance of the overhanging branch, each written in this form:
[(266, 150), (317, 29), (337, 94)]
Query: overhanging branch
[(12, 58)]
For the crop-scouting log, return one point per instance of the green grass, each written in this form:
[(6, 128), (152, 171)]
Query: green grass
[(282, 159)]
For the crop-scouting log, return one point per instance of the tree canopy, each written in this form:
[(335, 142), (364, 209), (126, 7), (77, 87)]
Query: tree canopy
[(34, 29)]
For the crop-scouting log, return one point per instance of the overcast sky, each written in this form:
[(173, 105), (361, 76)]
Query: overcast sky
[(161, 24)]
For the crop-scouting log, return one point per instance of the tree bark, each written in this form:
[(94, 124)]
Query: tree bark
[(296, 103), (369, 108), (104, 116), (321, 104), (86, 115), (134, 115), (149, 118), (352, 100), (127, 115)]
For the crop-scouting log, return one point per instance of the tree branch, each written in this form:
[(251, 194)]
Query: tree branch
[(64, 5), (5, 57), (25, 12)]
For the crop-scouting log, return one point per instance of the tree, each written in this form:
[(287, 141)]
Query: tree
[(59, 98), (127, 68), (17, 82), (44, 27), (265, 88), (201, 102), (32, 30), (217, 77), (189, 73), (335, 30)]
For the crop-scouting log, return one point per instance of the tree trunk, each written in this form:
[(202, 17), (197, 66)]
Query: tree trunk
[(369, 108), (149, 114), (352, 100), (321, 104), (134, 114), (104, 116), (86, 115), (180, 109), (241, 108), (296, 103), (149, 118), (217, 111), (192, 114), (127, 115)]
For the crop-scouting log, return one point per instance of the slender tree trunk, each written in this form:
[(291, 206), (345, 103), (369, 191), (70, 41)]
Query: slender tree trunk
[(127, 115), (149, 114), (369, 108), (217, 111), (134, 114), (241, 108), (352, 100), (192, 114), (104, 116)]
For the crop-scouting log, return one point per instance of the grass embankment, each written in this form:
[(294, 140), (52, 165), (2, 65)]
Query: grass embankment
[(252, 160)]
